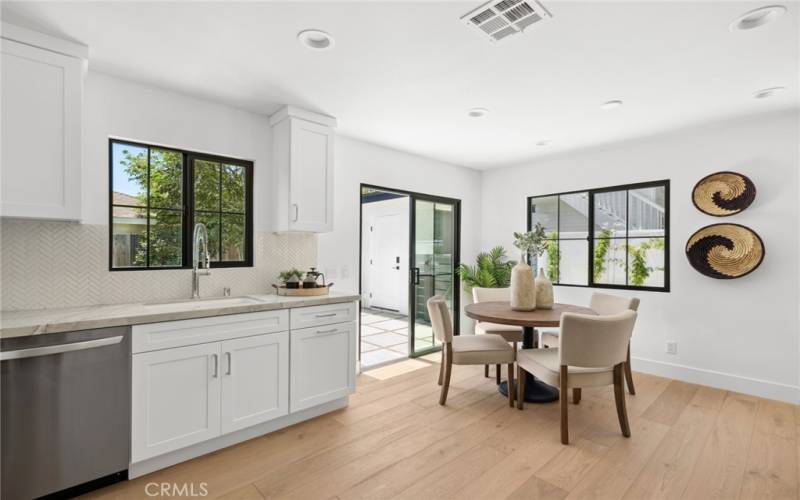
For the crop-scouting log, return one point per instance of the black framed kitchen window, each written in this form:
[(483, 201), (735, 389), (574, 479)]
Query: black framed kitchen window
[(612, 237), (158, 194)]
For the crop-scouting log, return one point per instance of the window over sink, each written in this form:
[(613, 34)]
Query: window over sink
[(159, 193)]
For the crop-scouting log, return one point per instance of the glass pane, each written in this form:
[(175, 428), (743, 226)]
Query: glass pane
[(646, 262), (610, 214), (166, 238), (549, 260), (574, 215), (166, 179), (646, 207), (574, 255), (211, 221), (233, 238), (206, 185), (233, 189), (129, 174), (608, 261), (544, 210), (129, 247)]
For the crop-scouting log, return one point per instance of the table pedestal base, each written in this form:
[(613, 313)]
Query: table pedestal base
[(536, 391)]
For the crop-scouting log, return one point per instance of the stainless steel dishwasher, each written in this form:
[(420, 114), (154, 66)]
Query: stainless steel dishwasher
[(65, 410)]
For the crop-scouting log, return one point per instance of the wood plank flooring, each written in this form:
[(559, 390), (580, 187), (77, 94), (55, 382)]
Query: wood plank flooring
[(395, 441)]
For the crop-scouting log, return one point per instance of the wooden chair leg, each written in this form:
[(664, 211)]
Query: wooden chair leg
[(576, 395), (447, 369), (511, 385), (497, 374), (521, 376), (486, 371), (563, 400), (441, 367), (628, 372), (619, 396)]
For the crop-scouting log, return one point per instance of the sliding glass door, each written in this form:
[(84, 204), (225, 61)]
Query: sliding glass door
[(434, 258)]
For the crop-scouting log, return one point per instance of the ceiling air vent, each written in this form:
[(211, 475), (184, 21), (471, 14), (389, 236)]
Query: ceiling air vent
[(499, 19)]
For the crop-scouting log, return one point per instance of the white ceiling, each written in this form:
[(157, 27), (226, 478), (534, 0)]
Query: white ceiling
[(403, 74)]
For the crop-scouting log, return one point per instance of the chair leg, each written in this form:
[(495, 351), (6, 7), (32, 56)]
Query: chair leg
[(441, 368), (511, 385), (619, 396), (576, 395), (521, 376), (628, 372), (497, 374), (486, 371), (447, 369), (563, 386)]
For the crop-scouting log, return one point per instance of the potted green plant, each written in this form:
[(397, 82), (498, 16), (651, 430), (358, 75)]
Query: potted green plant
[(492, 269), (523, 289), (291, 278)]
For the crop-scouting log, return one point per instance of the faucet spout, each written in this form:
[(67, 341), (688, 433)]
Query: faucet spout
[(200, 242)]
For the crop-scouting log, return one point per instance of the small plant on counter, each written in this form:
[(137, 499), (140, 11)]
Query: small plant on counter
[(285, 276), (493, 270)]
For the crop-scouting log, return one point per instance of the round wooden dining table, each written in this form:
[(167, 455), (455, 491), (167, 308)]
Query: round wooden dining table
[(536, 391)]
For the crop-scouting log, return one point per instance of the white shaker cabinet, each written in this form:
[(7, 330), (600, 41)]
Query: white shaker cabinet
[(303, 160), (42, 95), (255, 380)]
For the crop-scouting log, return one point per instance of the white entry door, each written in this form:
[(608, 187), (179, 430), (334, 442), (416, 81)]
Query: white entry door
[(389, 261)]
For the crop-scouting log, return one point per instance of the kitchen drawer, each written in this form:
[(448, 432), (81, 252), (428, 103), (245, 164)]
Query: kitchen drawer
[(169, 334), (307, 317)]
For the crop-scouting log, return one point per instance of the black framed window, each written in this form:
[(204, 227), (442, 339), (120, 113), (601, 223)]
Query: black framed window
[(157, 196), (614, 237)]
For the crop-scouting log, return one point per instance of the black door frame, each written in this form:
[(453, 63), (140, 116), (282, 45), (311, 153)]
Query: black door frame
[(413, 197)]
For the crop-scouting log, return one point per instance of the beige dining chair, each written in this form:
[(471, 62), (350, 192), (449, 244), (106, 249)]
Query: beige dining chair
[(591, 353), (466, 349), (603, 304), (510, 333)]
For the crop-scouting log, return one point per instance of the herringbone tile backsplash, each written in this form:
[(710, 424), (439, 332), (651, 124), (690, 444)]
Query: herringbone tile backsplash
[(55, 264)]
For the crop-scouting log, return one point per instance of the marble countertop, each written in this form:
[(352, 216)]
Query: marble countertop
[(39, 321)]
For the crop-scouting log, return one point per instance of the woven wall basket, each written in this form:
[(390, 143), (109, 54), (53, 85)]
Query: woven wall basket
[(725, 251), (723, 193)]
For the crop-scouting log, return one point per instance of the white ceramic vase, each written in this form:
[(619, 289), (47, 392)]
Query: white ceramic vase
[(523, 287), (544, 291)]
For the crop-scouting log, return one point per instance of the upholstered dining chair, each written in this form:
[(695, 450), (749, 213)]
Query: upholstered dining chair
[(509, 332), (591, 352), (603, 304), (466, 349)]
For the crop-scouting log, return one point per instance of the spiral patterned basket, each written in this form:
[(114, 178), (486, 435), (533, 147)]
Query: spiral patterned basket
[(725, 251), (723, 194)]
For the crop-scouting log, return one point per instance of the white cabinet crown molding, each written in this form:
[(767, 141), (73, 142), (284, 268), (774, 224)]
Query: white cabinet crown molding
[(290, 111), (44, 41)]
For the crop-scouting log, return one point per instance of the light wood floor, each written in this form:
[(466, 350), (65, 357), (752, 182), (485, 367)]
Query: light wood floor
[(688, 442)]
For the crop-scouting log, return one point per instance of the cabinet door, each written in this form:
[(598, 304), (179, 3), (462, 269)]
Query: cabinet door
[(311, 177), (323, 364), (255, 380), (176, 398), (41, 133)]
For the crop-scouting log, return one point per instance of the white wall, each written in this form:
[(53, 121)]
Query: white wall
[(737, 334), (360, 162)]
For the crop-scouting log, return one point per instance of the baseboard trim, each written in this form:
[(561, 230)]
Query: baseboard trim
[(175, 457), (719, 380)]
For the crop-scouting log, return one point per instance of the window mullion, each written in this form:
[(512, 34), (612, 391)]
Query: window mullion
[(147, 215)]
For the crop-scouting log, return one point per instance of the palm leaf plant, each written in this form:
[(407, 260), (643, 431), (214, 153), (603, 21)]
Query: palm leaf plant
[(492, 270)]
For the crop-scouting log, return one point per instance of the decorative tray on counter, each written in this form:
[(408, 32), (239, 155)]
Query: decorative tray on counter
[(303, 292)]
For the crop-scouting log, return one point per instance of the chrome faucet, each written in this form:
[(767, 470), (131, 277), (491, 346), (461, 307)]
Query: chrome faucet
[(200, 235)]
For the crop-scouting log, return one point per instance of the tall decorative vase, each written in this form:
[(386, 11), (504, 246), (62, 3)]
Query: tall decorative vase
[(523, 288), (544, 291)]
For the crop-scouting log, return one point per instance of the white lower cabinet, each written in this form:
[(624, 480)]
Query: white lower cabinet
[(176, 397), (323, 364), (255, 380)]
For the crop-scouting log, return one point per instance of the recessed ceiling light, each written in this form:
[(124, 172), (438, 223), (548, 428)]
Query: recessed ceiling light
[(543, 143), (611, 104), (761, 94), (316, 39), (477, 112), (757, 17)]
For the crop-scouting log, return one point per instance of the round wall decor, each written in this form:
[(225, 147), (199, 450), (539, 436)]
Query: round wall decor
[(723, 193), (725, 251)]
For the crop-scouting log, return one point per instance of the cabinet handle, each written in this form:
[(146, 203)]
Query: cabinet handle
[(216, 365), (329, 315), (296, 212), (230, 362), (332, 330)]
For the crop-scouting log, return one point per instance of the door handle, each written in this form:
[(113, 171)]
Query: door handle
[(216, 365), (59, 349), (296, 212), (415, 275), (230, 362)]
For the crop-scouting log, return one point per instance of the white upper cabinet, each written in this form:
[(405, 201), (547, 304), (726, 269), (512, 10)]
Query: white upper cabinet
[(303, 158), (42, 96)]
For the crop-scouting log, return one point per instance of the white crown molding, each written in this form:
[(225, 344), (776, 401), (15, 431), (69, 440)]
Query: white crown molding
[(44, 41), (290, 111)]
